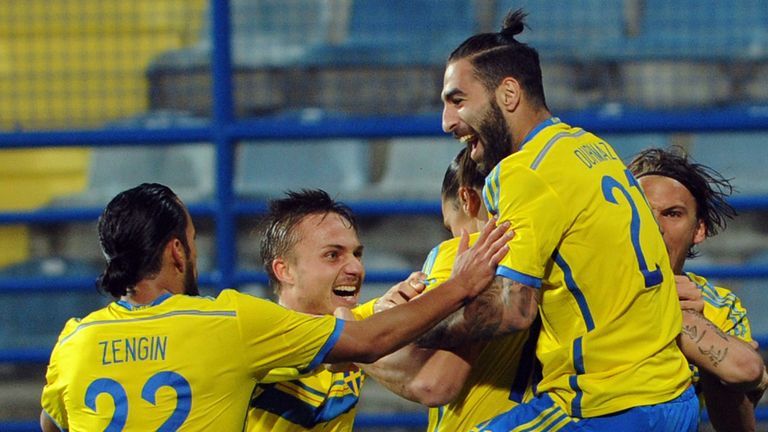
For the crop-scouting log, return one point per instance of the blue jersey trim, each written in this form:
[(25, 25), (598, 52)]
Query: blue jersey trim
[(163, 297), (229, 314), (440, 414), (574, 289), (548, 122), (491, 191), (578, 365), (295, 410), (326, 348), (54, 421), (518, 277), (548, 146), (429, 263)]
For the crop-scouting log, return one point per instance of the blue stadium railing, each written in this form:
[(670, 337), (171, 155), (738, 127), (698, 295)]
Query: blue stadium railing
[(224, 130)]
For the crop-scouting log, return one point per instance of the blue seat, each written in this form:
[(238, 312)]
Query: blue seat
[(34, 320), (708, 30), (567, 31), (414, 168), (267, 169), (627, 146), (114, 169), (740, 156), (399, 32)]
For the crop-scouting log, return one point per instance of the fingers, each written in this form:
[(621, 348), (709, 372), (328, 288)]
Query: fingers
[(502, 247)]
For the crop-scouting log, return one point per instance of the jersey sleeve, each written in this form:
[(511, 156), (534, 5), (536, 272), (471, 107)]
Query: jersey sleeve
[(724, 309), (52, 399), (275, 337), (364, 310), (518, 194)]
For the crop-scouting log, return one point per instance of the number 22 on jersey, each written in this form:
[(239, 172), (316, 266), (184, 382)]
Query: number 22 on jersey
[(161, 379)]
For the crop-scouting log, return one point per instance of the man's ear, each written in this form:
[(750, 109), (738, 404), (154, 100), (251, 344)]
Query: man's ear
[(470, 201), (178, 254), (282, 270), (508, 94), (701, 232)]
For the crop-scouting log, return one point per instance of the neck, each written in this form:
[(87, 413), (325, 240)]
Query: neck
[(145, 292), (528, 122)]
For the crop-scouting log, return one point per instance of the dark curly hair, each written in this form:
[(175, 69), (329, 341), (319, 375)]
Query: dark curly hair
[(133, 230), (708, 187)]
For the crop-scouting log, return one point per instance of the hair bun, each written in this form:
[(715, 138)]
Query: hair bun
[(514, 24)]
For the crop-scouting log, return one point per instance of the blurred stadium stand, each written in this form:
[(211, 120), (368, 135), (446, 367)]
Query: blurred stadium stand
[(231, 102)]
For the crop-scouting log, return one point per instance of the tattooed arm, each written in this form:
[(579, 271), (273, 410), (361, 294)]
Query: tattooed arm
[(506, 306), (731, 360)]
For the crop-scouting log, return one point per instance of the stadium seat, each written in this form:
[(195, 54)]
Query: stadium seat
[(568, 31), (414, 168), (187, 168), (268, 37), (34, 320), (708, 30), (390, 58), (740, 156), (627, 146), (267, 169)]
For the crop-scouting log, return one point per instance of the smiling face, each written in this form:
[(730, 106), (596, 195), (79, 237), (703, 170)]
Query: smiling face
[(324, 269), (473, 116), (675, 209)]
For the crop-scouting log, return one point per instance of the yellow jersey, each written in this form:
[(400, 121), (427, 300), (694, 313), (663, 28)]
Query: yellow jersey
[(287, 400), (586, 237), (500, 376), (179, 363), (723, 308)]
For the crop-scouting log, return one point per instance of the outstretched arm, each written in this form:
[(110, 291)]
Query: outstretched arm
[(368, 340), (506, 306)]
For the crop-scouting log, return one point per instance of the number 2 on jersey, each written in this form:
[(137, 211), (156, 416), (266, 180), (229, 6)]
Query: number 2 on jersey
[(609, 184), (161, 379)]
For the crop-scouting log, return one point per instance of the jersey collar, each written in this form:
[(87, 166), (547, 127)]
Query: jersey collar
[(155, 302), (548, 122)]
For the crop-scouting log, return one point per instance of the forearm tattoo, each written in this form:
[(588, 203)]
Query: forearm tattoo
[(482, 318), (696, 332)]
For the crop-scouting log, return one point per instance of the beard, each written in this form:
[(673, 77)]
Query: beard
[(494, 133), (190, 280)]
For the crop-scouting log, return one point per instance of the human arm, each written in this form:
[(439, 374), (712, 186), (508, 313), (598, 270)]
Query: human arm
[(46, 424), (429, 377), (733, 361), (370, 339), (506, 306), (728, 409)]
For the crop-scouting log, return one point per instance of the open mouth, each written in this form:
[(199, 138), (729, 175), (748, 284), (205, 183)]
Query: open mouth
[(345, 290)]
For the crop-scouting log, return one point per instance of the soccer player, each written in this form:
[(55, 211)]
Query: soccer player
[(313, 256), (689, 201), (587, 254), (157, 359), (476, 381)]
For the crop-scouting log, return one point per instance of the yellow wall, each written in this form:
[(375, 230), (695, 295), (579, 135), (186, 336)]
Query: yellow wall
[(68, 64)]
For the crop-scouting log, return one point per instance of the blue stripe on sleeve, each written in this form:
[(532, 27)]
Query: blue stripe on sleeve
[(516, 276), (329, 344)]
